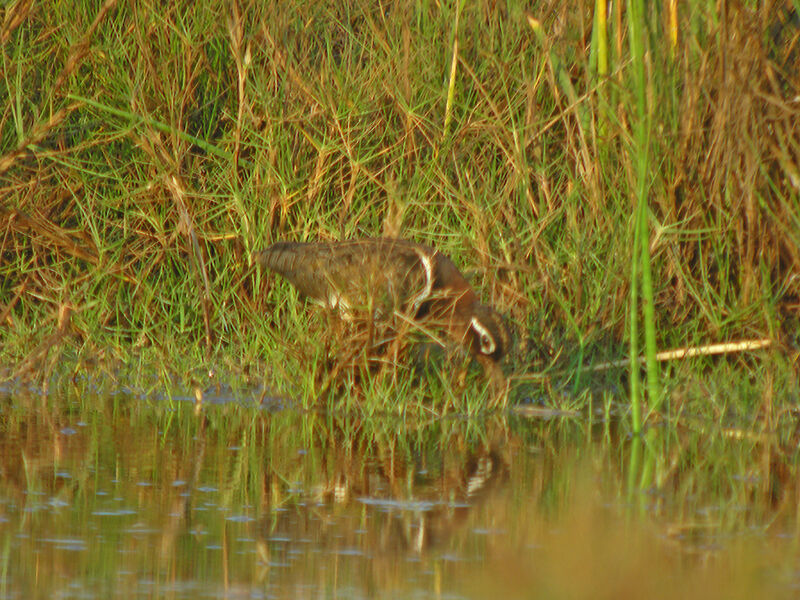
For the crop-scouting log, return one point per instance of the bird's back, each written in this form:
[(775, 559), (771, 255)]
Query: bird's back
[(355, 273)]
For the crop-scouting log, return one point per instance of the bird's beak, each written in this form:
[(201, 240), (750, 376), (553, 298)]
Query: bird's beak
[(498, 384)]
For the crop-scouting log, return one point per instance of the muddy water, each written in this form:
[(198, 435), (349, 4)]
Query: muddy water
[(118, 497)]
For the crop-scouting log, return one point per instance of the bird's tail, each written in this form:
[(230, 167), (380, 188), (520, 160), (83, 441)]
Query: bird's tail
[(281, 257)]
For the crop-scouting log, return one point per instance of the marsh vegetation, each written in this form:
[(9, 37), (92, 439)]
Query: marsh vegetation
[(147, 151)]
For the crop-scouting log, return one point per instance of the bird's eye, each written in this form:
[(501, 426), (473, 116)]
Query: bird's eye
[(487, 344), (485, 339)]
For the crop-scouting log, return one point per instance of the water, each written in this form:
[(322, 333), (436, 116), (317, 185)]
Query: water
[(119, 497)]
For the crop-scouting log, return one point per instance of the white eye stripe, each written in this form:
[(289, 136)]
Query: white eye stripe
[(488, 345)]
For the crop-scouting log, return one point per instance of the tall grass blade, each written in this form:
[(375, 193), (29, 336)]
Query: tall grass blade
[(641, 237)]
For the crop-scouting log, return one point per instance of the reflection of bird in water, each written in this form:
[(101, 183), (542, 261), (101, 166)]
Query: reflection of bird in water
[(482, 474), (380, 277)]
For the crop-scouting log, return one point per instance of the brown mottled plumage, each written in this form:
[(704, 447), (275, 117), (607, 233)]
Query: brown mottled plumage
[(380, 276)]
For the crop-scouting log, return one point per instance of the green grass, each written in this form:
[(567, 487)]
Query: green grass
[(146, 151)]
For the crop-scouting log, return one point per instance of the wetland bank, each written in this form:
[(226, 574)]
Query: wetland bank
[(176, 423)]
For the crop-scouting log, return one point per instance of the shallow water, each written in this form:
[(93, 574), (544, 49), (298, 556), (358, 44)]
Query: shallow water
[(112, 496)]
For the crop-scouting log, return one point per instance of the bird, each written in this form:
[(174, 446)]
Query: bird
[(378, 278)]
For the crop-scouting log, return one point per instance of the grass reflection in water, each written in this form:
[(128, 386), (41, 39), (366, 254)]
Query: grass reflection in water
[(114, 496)]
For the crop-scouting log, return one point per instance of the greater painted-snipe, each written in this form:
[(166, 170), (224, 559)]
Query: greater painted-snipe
[(379, 277)]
